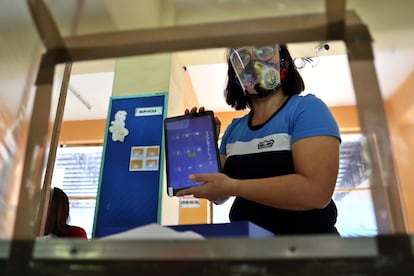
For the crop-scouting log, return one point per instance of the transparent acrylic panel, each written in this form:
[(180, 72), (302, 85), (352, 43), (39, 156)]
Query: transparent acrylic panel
[(82, 213), (356, 213), (87, 26), (97, 16), (76, 172), (19, 54)]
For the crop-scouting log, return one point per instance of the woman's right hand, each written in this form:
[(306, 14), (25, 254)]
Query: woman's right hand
[(194, 110)]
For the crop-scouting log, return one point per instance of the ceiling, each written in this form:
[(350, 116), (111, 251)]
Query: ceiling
[(390, 23)]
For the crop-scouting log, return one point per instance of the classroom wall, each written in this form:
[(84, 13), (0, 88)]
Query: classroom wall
[(92, 131)]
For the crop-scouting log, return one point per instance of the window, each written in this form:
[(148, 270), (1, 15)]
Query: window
[(76, 172), (356, 214)]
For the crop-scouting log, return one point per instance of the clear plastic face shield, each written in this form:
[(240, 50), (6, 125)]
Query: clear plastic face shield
[(257, 69)]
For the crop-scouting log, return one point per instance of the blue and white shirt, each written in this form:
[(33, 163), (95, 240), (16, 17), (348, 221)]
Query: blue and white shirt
[(265, 150)]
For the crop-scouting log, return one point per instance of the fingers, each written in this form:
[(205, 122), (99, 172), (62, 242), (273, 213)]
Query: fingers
[(199, 177), (197, 193), (194, 110), (200, 110), (218, 122), (183, 192), (218, 126)]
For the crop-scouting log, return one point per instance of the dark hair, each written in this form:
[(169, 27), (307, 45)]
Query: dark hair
[(293, 83), (58, 213)]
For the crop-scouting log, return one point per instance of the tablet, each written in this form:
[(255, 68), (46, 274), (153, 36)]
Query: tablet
[(190, 148)]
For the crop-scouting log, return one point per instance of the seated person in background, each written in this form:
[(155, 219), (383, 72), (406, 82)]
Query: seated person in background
[(58, 214)]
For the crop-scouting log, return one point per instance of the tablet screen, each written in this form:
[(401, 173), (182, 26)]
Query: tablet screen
[(190, 147)]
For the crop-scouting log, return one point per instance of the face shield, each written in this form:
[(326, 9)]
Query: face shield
[(257, 69)]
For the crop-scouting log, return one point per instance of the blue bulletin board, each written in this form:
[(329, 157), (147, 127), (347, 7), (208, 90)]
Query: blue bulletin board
[(130, 190)]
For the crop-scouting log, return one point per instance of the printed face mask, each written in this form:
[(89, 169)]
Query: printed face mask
[(257, 69)]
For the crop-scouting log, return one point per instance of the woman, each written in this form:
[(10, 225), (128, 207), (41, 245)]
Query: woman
[(280, 160), (58, 214)]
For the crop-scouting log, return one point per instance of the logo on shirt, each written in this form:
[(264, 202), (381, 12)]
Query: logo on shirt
[(265, 144)]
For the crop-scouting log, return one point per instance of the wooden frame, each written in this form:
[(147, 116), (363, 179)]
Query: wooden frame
[(335, 24)]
